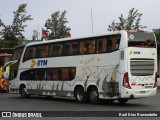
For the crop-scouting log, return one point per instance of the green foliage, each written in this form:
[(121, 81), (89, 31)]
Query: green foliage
[(157, 34), (11, 35), (132, 22), (56, 26)]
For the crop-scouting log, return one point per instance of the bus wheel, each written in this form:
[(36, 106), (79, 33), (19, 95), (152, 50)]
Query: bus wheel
[(80, 95), (122, 101), (23, 92), (93, 95)]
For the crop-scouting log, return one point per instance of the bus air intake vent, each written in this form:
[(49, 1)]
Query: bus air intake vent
[(142, 67)]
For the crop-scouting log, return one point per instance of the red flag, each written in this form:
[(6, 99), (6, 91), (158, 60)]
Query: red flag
[(69, 34), (44, 33)]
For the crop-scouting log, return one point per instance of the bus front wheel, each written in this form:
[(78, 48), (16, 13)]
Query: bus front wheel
[(23, 92)]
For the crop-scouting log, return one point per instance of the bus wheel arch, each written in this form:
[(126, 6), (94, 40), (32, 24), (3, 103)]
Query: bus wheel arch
[(93, 94), (23, 91), (80, 94)]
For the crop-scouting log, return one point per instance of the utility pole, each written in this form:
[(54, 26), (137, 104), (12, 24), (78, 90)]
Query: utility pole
[(92, 20)]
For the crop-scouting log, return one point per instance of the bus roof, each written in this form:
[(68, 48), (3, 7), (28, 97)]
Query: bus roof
[(72, 38), (82, 37)]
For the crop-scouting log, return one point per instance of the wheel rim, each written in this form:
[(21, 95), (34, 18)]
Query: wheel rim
[(24, 90), (94, 95), (79, 95)]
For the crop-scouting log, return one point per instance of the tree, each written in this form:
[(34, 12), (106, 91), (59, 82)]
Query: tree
[(132, 22), (157, 34), (11, 35), (56, 26)]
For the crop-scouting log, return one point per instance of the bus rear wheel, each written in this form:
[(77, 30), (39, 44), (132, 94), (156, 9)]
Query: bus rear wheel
[(23, 92), (80, 95), (93, 95)]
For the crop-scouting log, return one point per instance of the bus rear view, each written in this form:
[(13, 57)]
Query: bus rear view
[(140, 80)]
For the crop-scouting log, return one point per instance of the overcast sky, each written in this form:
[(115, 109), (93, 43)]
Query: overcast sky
[(79, 13)]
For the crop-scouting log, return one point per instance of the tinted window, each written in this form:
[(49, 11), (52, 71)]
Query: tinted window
[(28, 75), (82, 48), (113, 42), (65, 73), (101, 45), (17, 53), (42, 51), (92, 46), (30, 53), (75, 48), (67, 49), (141, 39), (56, 49), (40, 74)]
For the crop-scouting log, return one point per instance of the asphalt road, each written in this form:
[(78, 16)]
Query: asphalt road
[(13, 102)]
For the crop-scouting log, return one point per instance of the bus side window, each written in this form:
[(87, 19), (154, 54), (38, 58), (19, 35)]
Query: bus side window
[(51, 52), (40, 74), (113, 43), (55, 50), (28, 75), (73, 73), (87, 45), (66, 49), (55, 75), (38, 49), (92, 46), (110, 45), (49, 74), (82, 48), (65, 73), (30, 53), (60, 50), (70, 50), (44, 51), (101, 45), (74, 48)]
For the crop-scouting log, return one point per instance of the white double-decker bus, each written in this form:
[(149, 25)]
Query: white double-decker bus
[(120, 65)]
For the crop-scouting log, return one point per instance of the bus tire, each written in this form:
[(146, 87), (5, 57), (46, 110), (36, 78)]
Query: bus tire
[(122, 101), (80, 95), (93, 95), (23, 92)]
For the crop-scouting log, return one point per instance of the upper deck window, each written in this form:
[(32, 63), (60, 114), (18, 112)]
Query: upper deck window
[(101, 45), (56, 49), (18, 53), (30, 53), (141, 39), (113, 42), (42, 51)]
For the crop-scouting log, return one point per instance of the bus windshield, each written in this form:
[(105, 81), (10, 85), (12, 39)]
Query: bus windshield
[(141, 39), (17, 53)]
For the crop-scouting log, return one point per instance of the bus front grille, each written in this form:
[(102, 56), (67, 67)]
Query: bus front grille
[(142, 67)]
